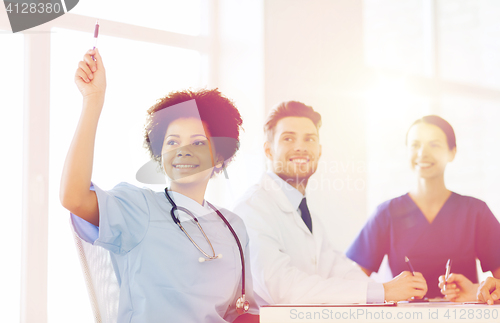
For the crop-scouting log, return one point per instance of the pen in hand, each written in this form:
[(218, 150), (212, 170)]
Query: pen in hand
[(410, 266), (448, 271), (96, 34)]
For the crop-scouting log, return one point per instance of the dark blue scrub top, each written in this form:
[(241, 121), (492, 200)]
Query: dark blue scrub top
[(463, 230)]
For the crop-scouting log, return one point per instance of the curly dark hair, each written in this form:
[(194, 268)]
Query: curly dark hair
[(214, 109)]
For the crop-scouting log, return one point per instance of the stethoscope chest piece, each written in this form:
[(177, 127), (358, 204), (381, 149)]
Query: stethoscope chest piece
[(242, 305)]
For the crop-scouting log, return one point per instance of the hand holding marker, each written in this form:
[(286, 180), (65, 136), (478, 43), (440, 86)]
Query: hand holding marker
[(96, 34), (413, 299)]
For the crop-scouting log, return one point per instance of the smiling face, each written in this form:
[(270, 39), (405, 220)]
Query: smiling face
[(187, 155), (428, 150), (295, 149)]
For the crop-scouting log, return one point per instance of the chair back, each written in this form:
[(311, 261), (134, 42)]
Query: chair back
[(100, 278)]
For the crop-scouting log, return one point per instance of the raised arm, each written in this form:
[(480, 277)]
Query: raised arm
[(75, 193)]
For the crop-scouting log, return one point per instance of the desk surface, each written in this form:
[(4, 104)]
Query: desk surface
[(435, 312)]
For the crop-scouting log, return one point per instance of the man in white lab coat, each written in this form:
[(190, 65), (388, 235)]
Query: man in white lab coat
[(292, 259)]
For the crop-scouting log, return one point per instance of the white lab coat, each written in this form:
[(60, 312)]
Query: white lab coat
[(289, 264)]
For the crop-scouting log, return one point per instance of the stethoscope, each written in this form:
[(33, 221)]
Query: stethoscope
[(242, 305)]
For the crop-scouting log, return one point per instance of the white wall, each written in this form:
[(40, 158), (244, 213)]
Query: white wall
[(313, 54), (239, 74)]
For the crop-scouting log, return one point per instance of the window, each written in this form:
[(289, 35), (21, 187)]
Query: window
[(399, 37), (449, 49), (469, 36)]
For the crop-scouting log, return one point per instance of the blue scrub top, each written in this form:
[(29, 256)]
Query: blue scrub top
[(463, 230), (160, 277)]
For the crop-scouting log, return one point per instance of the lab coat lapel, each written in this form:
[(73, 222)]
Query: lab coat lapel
[(284, 204)]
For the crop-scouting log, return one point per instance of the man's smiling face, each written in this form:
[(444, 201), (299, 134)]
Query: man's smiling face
[(295, 149)]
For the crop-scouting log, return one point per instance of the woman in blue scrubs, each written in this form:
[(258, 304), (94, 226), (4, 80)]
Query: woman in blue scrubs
[(430, 224), (181, 266)]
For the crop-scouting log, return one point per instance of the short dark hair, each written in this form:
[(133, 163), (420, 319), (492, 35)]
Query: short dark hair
[(441, 124), (214, 109), (289, 109)]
